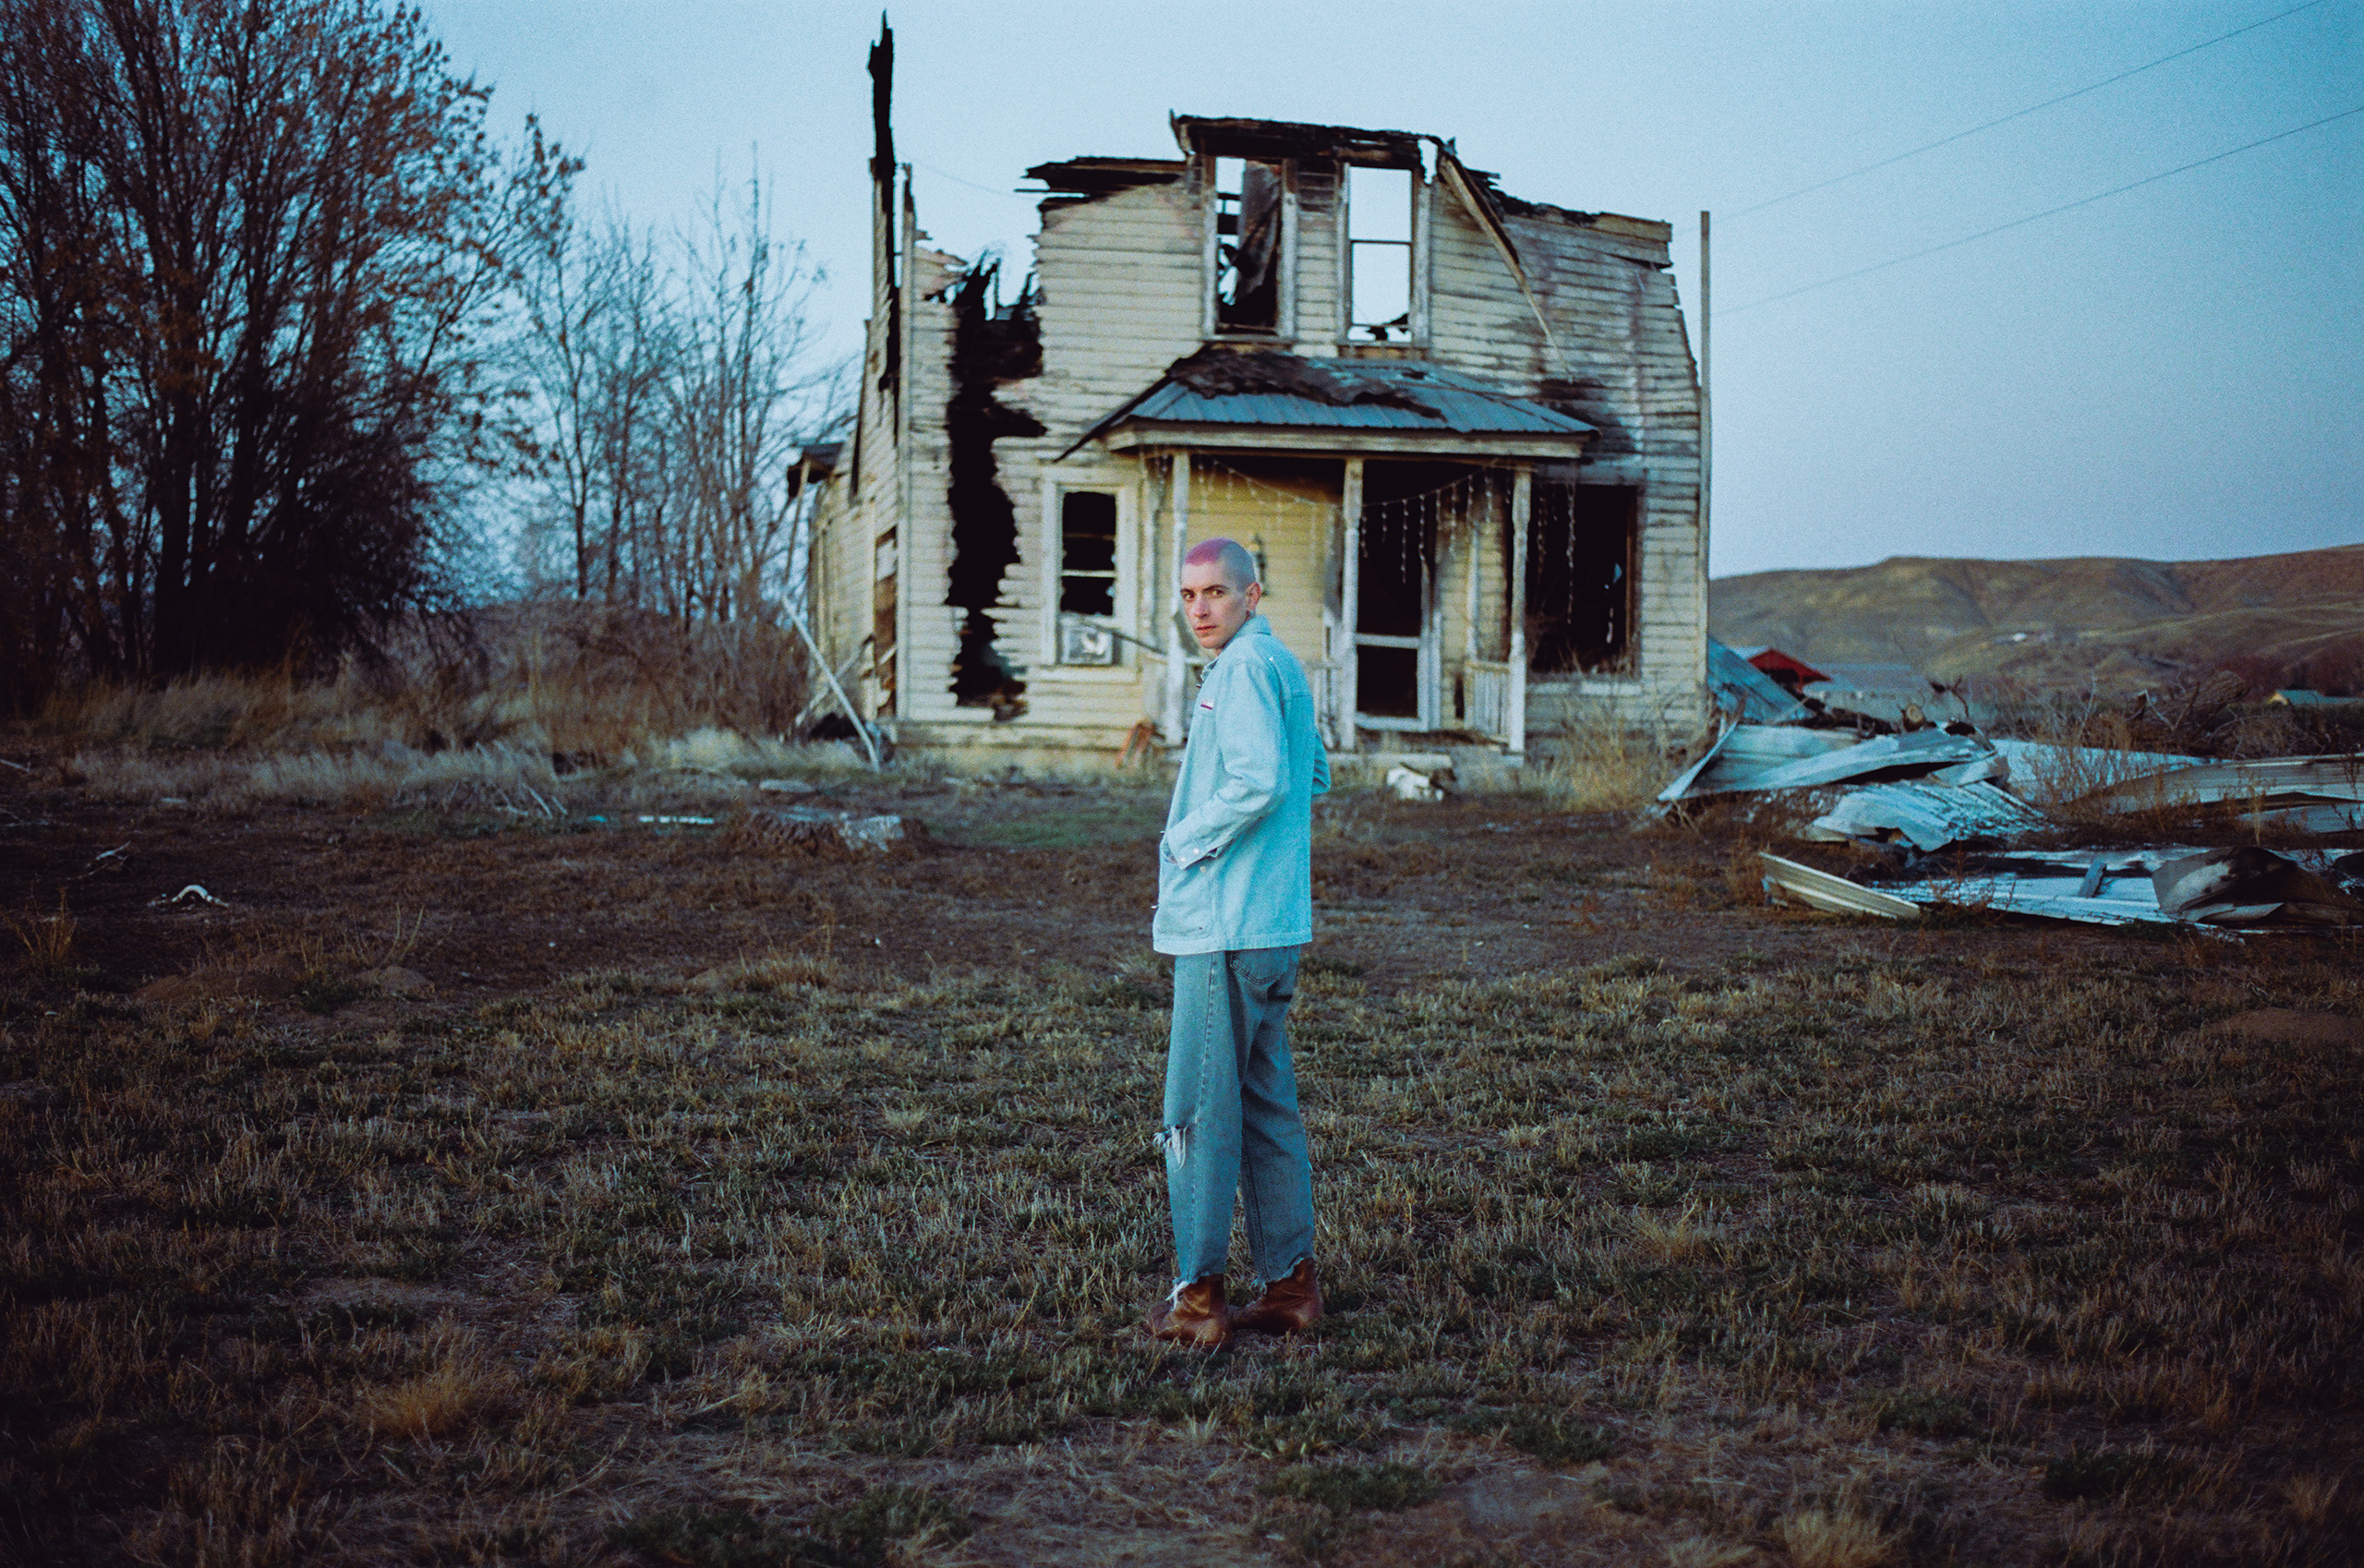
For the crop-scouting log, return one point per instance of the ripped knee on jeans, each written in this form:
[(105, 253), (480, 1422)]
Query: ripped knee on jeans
[(1176, 1142)]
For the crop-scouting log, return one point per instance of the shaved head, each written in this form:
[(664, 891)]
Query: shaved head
[(1238, 567)]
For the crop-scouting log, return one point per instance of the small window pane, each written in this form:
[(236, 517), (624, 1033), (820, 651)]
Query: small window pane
[(1378, 204), (1383, 292), (1379, 254)]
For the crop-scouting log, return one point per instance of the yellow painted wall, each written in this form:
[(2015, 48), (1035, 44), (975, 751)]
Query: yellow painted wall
[(1294, 509)]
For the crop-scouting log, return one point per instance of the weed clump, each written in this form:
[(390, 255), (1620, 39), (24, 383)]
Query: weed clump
[(1343, 1489), (1924, 1413), (854, 1537), (1552, 1438), (2107, 1473), (893, 1514)]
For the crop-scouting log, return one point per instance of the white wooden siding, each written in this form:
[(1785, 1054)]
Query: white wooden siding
[(1122, 283)]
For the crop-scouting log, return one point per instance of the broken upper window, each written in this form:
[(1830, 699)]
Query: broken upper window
[(1580, 550), (1378, 254), (1247, 246)]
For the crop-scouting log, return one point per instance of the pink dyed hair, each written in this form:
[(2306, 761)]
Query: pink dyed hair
[(1239, 566)]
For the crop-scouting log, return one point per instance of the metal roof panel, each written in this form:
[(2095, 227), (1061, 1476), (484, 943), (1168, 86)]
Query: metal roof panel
[(1423, 397)]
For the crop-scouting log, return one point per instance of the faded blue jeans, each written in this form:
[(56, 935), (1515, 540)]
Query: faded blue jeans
[(1231, 1118)]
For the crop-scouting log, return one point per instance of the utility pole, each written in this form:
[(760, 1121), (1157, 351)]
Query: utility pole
[(1706, 407)]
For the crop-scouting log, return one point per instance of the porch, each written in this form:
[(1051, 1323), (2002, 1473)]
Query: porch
[(1391, 504)]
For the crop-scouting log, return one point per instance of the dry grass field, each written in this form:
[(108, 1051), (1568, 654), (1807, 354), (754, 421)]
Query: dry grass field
[(477, 1184)]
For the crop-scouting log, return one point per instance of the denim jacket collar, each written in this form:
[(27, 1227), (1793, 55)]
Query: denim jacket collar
[(1254, 626)]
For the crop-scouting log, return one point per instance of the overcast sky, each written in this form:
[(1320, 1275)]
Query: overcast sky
[(2172, 372)]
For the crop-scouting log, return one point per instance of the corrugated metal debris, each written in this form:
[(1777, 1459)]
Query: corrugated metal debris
[(1927, 816), (1787, 882), (1946, 789), (1771, 760), (1745, 694), (2246, 886), (2241, 889), (2318, 794)]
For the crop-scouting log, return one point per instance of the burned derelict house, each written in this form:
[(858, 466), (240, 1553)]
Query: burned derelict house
[(1460, 431)]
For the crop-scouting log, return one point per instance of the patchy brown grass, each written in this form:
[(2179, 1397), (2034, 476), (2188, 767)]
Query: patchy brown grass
[(1683, 1230)]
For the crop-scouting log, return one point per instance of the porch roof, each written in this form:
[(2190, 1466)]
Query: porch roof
[(1341, 403)]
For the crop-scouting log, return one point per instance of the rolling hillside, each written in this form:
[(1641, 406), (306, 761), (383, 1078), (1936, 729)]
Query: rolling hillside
[(2276, 620)]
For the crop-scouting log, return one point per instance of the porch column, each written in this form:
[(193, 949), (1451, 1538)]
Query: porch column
[(1178, 512), (1350, 587), (1522, 501)]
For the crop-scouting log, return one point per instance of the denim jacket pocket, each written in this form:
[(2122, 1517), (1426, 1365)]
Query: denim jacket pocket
[(1185, 897)]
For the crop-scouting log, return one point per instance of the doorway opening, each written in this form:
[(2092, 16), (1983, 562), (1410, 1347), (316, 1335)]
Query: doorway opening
[(1396, 668)]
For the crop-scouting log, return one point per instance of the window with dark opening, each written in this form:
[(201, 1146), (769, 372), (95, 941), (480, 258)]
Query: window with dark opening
[(1378, 254), (1087, 577), (1087, 553), (1580, 577), (885, 564), (1247, 246)]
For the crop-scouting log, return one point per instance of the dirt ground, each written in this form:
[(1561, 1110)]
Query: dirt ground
[(1670, 1226), (1007, 877)]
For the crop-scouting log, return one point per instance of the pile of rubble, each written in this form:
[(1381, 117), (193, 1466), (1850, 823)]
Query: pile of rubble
[(1949, 789)]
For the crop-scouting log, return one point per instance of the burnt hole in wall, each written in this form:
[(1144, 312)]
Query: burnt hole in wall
[(992, 343)]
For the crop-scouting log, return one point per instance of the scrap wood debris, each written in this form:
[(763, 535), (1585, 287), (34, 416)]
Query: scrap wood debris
[(1410, 784), (813, 828)]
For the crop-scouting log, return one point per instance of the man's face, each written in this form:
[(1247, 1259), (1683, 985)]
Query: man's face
[(1216, 609)]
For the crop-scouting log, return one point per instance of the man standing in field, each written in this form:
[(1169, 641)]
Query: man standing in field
[(1234, 908)]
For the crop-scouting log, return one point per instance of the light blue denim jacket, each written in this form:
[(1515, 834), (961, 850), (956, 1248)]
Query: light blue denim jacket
[(1235, 868)]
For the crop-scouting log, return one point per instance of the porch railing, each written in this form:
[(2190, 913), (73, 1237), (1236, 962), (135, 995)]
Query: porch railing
[(1322, 678), (1486, 698)]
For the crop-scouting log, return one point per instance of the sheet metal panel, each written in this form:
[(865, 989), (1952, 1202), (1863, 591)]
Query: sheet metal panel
[(1461, 403)]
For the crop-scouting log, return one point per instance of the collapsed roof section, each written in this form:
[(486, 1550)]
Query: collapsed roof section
[(1077, 180), (1262, 388), (1073, 180), (1292, 139)]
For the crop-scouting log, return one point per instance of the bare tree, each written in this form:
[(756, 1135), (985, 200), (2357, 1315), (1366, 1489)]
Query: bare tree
[(676, 386), (251, 254), (744, 376)]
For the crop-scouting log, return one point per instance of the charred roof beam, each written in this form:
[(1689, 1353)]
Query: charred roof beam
[(1289, 138)]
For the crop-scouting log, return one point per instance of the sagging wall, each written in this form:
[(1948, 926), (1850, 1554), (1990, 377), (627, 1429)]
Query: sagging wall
[(1622, 363)]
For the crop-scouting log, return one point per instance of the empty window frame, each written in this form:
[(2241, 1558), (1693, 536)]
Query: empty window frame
[(1088, 591), (1379, 254), (1247, 246), (885, 563), (1580, 555)]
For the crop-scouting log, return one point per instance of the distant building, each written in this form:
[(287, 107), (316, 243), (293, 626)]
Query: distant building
[(1460, 429), (1792, 675)]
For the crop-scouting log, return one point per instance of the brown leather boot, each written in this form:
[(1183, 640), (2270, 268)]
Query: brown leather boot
[(1193, 1314), (1287, 1306)]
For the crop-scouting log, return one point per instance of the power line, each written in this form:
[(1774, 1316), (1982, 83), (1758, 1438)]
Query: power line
[(2023, 113), (1004, 190), (2047, 212)]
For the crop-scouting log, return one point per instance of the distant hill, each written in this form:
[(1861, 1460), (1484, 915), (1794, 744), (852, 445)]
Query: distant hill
[(2275, 620)]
